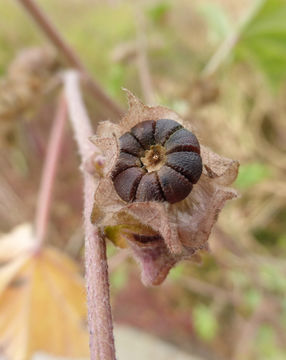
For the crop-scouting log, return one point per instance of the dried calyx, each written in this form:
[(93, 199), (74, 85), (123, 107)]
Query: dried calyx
[(158, 161), (144, 212)]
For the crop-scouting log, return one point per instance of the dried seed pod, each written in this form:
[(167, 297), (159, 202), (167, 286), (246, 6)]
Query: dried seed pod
[(158, 161)]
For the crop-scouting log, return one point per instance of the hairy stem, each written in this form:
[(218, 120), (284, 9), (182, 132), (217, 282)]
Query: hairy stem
[(49, 172), (98, 299), (69, 54)]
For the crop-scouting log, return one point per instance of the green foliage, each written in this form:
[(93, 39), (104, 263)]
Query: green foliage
[(118, 278), (252, 298), (205, 322), (266, 344), (158, 11), (238, 278), (176, 272), (115, 80), (217, 20), (262, 40), (252, 174), (273, 278), (282, 241), (266, 236), (283, 313), (110, 249)]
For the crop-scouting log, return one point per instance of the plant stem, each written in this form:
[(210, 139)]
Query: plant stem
[(70, 55), (220, 55), (224, 50), (49, 172), (142, 58), (98, 299)]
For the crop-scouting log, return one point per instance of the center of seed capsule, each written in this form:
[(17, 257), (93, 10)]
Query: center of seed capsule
[(154, 158)]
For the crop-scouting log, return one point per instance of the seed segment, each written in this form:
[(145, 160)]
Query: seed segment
[(149, 188), (164, 129), (126, 183), (130, 145), (144, 133), (182, 140), (174, 185), (158, 161), (187, 163)]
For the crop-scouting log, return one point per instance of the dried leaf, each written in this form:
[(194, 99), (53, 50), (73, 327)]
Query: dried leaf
[(42, 300)]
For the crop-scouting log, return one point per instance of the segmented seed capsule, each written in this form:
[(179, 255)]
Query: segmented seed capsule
[(158, 161)]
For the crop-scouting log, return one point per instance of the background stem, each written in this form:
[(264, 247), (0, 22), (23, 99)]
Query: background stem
[(49, 172), (142, 58), (98, 299), (69, 54)]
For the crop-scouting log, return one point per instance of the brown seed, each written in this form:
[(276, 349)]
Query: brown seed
[(124, 162), (129, 144), (174, 185), (164, 129), (149, 188), (182, 140), (127, 181), (188, 164), (144, 133)]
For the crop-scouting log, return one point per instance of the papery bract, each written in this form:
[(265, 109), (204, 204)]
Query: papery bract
[(160, 234)]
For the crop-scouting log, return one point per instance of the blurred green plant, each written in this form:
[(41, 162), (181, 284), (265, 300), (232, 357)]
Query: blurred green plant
[(159, 10), (119, 277), (239, 279), (205, 322), (252, 298), (260, 39), (252, 174), (176, 272), (273, 278), (217, 20), (267, 347), (115, 79)]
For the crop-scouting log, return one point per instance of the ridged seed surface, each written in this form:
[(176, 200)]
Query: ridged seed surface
[(181, 162)]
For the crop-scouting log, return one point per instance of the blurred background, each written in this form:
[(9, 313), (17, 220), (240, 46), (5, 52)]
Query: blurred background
[(221, 64)]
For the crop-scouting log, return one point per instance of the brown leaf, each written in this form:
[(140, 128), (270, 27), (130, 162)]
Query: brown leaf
[(42, 300)]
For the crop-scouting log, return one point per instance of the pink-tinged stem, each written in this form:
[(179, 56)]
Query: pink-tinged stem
[(49, 172), (69, 54), (98, 299)]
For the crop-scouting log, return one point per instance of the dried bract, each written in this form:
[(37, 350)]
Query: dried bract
[(160, 191)]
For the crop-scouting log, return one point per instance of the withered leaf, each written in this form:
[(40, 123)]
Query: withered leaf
[(42, 300)]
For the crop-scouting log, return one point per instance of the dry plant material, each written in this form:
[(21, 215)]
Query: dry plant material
[(100, 323), (27, 79), (160, 233), (42, 300)]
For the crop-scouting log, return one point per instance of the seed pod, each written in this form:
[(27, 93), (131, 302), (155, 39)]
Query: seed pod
[(158, 161)]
